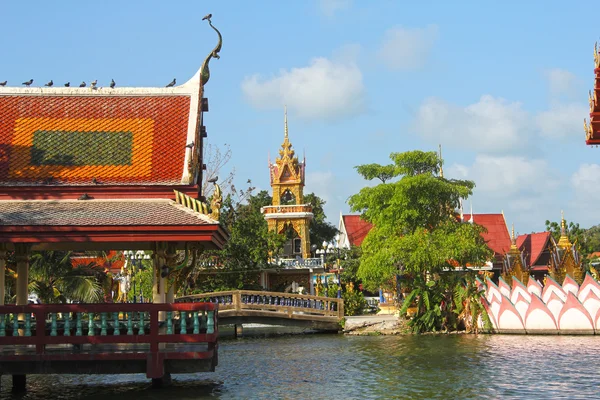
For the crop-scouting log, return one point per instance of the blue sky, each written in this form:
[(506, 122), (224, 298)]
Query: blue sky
[(502, 86)]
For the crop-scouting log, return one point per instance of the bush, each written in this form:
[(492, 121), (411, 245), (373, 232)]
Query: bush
[(354, 303)]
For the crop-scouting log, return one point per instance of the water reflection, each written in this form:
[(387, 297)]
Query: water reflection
[(335, 366)]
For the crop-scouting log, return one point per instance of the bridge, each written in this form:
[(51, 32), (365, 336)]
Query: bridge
[(239, 307)]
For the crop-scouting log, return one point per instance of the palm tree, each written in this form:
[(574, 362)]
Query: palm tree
[(55, 280)]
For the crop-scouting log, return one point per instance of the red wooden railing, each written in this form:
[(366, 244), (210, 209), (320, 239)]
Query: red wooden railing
[(28, 330)]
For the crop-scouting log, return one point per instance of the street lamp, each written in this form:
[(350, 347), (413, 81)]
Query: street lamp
[(326, 249), (136, 258)]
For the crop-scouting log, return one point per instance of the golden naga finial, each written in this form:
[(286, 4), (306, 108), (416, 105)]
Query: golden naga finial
[(205, 71), (285, 129), (596, 56), (592, 99), (441, 161), (588, 129), (216, 203)]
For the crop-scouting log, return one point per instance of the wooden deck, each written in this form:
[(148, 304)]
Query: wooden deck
[(155, 339)]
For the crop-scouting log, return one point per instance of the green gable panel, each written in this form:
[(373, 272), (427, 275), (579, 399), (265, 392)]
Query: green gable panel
[(81, 148)]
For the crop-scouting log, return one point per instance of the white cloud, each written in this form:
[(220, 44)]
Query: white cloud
[(490, 125), (562, 120), (330, 7), (407, 48), (560, 81), (326, 89), (525, 189), (506, 176)]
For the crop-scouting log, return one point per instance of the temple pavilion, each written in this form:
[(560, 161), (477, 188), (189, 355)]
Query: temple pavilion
[(105, 168)]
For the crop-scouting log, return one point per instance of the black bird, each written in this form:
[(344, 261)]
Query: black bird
[(208, 17), (28, 83), (112, 83), (68, 84), (213, 180), (173, 82), (49, 84), (3, 83), (82, 84), (94, 181), (189, 145)]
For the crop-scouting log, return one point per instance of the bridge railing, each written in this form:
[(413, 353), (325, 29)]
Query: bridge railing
[(285, 303)]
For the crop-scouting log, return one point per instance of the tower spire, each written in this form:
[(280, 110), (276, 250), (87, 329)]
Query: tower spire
[(285, 122), (564, 241)]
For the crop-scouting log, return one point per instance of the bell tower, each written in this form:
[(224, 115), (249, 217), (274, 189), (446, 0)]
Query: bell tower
[(288, 213)]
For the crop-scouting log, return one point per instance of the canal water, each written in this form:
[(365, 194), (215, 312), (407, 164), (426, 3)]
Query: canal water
[(364, 367)]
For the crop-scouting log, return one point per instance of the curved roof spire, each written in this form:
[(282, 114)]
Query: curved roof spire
[(564, 241), (285, 122)]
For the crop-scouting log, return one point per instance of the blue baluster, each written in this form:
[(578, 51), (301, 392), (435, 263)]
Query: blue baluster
[(103, 324), (53, 327), (169, 323), (210, 322), (183, 318), (27, 324), (196, 323), (141, 323), (130, 323), (116, 331), (79, 329), (67, 330), (91, 326), (15, 325)]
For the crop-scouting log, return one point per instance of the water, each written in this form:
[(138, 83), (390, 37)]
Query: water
[(367, 367)]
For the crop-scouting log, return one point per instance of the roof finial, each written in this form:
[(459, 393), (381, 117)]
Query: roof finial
[(441, 162), (471, 221), (512, 234), (564, 241), (204, 70), (285, 121)]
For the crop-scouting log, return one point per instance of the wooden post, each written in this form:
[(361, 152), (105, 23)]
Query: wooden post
[(22, 274), (2, 275), (237, 300)]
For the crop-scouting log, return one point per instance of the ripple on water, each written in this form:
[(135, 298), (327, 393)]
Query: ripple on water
[(367, 367)]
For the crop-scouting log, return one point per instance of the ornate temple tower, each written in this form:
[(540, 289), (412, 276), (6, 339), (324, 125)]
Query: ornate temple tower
[(514, 263), (565, 258), (287, 210)]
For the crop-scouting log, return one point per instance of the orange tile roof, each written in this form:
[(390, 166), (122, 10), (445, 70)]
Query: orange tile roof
[(533, 245), (82, 136), (356, 229)]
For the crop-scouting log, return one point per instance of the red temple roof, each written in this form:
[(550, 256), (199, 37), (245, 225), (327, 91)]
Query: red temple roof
[(83, 136), (533, 246), (356, 229), (497, 236)]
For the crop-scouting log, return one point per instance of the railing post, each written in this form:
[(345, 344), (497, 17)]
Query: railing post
[(340, 309), (237, 299)]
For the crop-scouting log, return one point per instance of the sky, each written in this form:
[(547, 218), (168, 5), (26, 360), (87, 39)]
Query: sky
[(502, 86)]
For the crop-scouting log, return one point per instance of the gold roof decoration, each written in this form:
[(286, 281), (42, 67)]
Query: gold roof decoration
[(593, 100), (596, 56), (588, 129), (514, 263), (564, 241), (287, 168)]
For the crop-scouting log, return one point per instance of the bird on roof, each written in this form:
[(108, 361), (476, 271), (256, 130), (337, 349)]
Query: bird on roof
[(189, 145), (213, 180), (68, 84), (94, 181), (173, 82), (3, 83), (49, 84), (28, 83), (112, 84), (82, 84), (93, 84), (208, 17)]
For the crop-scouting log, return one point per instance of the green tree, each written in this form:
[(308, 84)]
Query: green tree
[(416, 232), (54, 279), (320, 230)]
